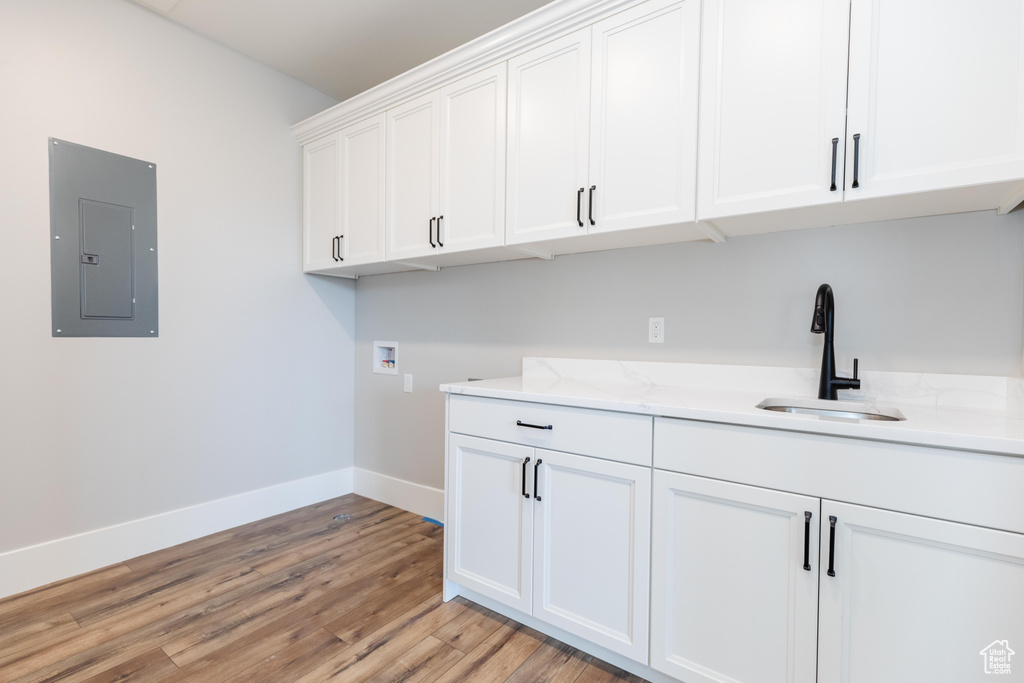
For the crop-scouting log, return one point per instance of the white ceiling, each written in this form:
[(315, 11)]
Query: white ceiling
[(342, 47)]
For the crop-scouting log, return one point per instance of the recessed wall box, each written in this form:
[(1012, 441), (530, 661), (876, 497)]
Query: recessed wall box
[(103, 258), (385, 357)]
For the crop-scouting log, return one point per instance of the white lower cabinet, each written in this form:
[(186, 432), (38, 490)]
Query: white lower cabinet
[(745, 588), (565, 538), (490, 527), (917, 599), (591, 549), (731, 600)]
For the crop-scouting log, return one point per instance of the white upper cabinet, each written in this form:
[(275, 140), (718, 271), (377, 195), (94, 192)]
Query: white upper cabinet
[(772, 105), (602, 126), (472, 179), (320, 211), (412, 177), (915, 599), (936, 95), (643, 121), (548, 140), (446, 169), (361, 188)]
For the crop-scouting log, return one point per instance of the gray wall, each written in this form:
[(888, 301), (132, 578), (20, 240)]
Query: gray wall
[(250, 383), (940, 294)]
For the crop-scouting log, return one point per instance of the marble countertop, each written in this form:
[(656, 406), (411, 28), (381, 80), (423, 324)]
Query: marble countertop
[(947, 411)]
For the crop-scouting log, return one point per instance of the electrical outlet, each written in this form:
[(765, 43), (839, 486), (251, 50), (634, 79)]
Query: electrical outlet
[(408, 383), (656, 331)]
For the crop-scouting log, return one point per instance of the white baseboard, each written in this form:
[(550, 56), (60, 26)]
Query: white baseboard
[(423, 500), (38, 565)]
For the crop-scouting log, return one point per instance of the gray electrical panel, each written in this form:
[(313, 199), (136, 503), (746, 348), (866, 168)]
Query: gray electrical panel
[(103, 258)]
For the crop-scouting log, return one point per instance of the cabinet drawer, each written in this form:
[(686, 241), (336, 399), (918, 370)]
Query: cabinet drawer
[(624, 437), (973, 488)]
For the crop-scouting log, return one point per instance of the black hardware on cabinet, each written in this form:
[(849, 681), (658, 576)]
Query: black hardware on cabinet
[(439, 219), (831, 545), (807, 540), (432, 232), (856, 160), (520, 423), (525, 494), (835, 152), (536, 491), (334, 248), (579, 206), (590, 211), (340, 238)]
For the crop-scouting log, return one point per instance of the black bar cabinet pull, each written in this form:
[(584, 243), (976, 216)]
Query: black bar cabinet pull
[(334, 248), (340, 238), (590, 210), (579, 206), (536, 469), (835, 154), (520, 423), (807, 541), (831, 545), (856, 160), (525, 494), (432, 232), (439, 219)]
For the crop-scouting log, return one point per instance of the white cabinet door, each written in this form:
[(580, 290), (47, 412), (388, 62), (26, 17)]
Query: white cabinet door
[(362, 192), (936, 95), (412, 141), (916, 599), (731, 600), (548, 140), (644, 116), (320, 211), (772, 105), (592, 545), (489, 532), (472, 182)]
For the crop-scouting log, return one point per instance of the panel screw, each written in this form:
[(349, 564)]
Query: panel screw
[(55, 142), (56, 237), (152, 331), (58, 331), (151, 249)]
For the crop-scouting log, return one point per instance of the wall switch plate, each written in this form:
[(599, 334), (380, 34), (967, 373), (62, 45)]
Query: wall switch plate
[(656, 331), (407, 386)]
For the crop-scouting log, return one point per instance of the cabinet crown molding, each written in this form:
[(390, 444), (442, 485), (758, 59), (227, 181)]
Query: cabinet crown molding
[(541, 25)]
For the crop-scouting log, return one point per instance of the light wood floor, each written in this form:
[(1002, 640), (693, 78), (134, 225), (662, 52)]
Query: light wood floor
[(297, 597)]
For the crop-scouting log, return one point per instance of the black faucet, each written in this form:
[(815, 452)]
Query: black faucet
[(824, 323)]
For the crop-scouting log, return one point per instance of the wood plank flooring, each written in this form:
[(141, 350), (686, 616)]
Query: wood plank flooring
[(296, 597)]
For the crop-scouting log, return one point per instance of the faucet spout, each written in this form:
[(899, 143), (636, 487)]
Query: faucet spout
[(823, 322)]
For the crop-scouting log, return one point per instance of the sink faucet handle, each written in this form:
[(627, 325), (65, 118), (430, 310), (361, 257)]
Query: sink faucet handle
[(855, 362)]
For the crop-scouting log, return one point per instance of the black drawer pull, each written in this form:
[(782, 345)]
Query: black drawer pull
[(340, 238), (856, 160), (832, 545), (334, 248), (835, 154), (431, 233), (579, 206), (525, 494), (807, 541), (439, 242), (590, 210), (536, 469), (520, 423)]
